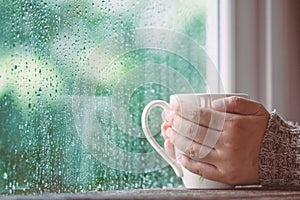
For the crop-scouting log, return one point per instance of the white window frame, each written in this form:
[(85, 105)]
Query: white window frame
[(220, 45), (227, 45), (214, 84)]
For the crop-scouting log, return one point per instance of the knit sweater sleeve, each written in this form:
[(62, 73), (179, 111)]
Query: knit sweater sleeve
[(279, 164)]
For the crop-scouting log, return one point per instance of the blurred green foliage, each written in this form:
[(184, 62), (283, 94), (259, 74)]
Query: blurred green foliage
[(45, 47)]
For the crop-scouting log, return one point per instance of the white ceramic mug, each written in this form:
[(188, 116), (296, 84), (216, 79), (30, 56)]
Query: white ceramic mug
[(189, 179)]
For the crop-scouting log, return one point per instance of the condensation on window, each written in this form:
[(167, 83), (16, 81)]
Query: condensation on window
[(74, 79)]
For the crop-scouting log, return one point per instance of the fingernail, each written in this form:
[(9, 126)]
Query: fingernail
[(169, 132), (218, 104), (169, 115)]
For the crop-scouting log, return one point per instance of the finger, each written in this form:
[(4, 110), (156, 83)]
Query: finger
[(238, 105), (196, 113), (164, 127), (189, 129), (201, 116), (169, 147), (192, 148), (205, 170)]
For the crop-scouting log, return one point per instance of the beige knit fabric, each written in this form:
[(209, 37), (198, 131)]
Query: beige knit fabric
[(280, 154)]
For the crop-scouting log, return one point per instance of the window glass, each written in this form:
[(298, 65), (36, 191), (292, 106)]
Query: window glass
[(74, 79)]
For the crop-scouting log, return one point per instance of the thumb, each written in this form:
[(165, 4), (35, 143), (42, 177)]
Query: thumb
[(239, 105)]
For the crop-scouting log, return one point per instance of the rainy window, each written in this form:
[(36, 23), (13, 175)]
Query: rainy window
[(74, 79)]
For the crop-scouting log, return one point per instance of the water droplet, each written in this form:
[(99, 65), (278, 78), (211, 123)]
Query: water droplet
[(5, 176)]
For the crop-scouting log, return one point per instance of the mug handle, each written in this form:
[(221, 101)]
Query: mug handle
[(171, 161)]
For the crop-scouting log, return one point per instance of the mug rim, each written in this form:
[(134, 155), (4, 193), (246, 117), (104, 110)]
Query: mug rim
[(212, 94)]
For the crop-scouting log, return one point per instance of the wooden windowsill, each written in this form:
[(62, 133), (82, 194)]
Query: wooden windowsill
[(238, 193)]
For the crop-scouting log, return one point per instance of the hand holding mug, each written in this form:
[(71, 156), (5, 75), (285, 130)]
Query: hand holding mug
[(234, 157), (191, 139)]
